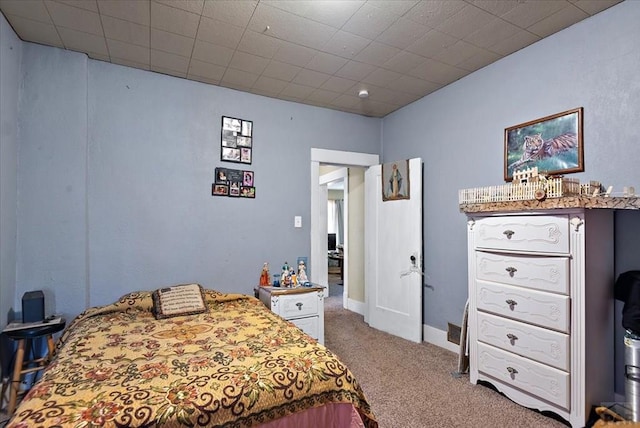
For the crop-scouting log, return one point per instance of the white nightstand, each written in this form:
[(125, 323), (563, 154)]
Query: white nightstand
[(303, 306)]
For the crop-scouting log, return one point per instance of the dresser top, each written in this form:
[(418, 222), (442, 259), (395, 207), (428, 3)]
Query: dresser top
[(590, 202)]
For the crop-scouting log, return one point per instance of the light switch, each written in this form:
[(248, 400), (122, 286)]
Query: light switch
[(297, 221)]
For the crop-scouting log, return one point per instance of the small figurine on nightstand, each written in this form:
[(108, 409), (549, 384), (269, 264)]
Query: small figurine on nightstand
[(285, 279), (302, 273), (264, 276)]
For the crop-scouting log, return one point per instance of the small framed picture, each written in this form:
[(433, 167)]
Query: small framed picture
[(247, 179), (245, 155), (395, 180), (234, 188), (221, 176), (229, 138), (243, 141), (248, 192), (230, 154), (231, 124), (219, 189), (247, 128)]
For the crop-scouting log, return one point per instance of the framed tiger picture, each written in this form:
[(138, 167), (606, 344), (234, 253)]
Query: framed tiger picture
[(553, 144)]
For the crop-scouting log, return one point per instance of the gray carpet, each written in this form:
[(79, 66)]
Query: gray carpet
[(410, 385), (335, 285)]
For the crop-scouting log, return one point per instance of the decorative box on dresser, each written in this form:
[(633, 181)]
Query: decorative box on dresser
[(541, 305), (303, 306)]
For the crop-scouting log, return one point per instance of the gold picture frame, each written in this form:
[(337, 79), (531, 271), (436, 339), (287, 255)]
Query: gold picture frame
[(553, 144)]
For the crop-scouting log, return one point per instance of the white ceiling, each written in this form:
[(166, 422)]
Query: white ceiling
[(318, 52)]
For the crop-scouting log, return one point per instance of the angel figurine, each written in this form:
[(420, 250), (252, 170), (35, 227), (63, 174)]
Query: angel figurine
[(302, 273)]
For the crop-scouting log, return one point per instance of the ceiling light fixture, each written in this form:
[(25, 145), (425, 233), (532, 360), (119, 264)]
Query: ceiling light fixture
[(363, 93)]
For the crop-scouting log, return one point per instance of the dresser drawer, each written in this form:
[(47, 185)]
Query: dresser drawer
[(539, 344), (542, 273), (549, 234), (309, 325), (297, 305), (538, 379), (530, 306)]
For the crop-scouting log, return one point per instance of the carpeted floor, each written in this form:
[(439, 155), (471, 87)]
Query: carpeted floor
[(411, 385), (335, 285)]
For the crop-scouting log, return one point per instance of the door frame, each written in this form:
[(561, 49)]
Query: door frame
[(318, 263)]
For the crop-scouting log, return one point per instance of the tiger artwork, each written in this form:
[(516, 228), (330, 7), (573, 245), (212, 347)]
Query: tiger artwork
[(536, 148)]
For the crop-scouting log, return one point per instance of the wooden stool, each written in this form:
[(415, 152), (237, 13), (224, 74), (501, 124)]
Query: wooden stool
[(24, 337)]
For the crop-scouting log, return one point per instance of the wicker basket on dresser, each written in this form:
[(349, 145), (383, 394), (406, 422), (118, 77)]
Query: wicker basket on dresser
[(541, 307)]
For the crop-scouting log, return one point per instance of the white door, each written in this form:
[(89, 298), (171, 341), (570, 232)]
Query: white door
[(393, 255)]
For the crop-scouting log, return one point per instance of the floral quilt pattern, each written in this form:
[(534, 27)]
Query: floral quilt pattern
[(236, 365)]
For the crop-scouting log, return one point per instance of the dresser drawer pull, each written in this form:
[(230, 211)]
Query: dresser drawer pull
[(512, 371), (512, 337), (299, 305), (511, 270), (511, 303), (508, 233)]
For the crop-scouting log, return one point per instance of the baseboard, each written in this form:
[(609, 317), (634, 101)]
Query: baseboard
[(439, 338), (355, 306)]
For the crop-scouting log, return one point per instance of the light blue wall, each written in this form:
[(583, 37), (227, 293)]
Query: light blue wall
[(52, 175), (458, 131), (10, 60), (115, 178)]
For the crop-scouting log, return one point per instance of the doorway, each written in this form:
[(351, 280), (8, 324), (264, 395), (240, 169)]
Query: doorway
[(336, 179), (353, 295)]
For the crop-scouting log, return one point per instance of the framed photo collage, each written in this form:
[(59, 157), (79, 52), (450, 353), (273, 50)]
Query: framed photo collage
[(233, 182), (236, 143)]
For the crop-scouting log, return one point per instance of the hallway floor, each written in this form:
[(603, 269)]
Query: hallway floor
[(335, 285)]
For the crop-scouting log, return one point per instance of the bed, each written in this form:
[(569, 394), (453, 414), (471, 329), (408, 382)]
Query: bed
[(232, 364)]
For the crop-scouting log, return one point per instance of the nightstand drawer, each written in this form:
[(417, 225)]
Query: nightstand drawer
[(547, 234), (309, 325), (298, 305)]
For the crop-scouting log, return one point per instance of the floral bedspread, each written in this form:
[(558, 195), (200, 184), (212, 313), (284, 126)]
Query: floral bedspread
[(237, 365)]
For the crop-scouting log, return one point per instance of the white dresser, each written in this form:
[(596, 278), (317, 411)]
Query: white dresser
[(303, 306), (541, 307)]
